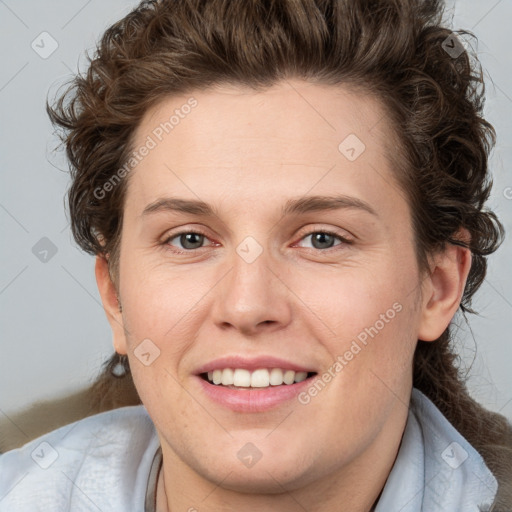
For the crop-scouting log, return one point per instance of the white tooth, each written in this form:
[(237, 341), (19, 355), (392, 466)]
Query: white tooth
[(217, 376), (276, 376), (300, 376), (227, 377), (242, 378), (289, 377), (260, 378)]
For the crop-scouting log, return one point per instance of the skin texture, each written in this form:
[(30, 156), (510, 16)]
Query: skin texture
[(246, 153)]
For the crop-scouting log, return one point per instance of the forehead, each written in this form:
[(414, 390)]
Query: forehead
[(291, 137)]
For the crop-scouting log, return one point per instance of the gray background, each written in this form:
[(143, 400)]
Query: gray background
[(54, 334)]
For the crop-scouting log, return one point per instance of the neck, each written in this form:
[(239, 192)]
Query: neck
[(355, 487)]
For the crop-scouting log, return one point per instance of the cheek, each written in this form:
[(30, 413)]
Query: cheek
[(157, 304), (367, 321), (356, 299)]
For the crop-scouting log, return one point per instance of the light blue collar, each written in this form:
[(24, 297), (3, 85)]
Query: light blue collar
[(436, 469)]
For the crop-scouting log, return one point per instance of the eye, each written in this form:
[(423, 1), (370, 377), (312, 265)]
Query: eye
[(192, 240), (323, 240), (189, 240)]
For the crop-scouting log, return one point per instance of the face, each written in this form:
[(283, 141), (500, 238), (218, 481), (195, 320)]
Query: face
[(299, 257)]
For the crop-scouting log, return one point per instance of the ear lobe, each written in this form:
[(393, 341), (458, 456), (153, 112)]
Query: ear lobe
[(443, 290), (111, 304)]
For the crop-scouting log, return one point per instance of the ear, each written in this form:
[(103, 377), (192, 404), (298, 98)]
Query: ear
[(111, 304), (443, 289)]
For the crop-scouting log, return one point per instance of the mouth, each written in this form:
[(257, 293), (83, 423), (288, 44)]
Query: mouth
[(262, 378), (254, 388), (253, 383)]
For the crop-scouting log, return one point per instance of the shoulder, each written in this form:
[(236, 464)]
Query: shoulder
[(102, 460)]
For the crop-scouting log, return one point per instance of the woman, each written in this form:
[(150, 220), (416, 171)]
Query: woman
[(215, 148)]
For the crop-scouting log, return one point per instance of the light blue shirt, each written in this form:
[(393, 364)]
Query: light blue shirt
[(102, 463), (436, 469)]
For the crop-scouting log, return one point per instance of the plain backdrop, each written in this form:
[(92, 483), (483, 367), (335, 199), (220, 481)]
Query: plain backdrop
[(54, 334)]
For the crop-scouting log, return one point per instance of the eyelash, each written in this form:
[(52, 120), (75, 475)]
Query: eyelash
[(342, 239)]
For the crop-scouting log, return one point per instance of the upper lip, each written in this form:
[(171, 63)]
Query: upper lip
[(251, 364)]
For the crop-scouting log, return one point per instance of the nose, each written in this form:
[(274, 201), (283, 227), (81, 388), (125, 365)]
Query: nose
[(253, 297)]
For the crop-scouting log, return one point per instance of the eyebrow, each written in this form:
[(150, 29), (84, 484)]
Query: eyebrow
[(295, 206)]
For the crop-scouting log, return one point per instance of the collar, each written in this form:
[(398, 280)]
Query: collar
[(151, 488), (436, 469)]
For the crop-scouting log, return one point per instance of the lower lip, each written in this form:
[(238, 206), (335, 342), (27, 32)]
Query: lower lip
[(253, 399)]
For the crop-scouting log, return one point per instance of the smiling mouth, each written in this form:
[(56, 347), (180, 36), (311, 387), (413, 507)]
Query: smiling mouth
[(262, 378)]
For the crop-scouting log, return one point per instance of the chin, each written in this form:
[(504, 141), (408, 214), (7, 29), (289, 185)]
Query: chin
[(267, 479)]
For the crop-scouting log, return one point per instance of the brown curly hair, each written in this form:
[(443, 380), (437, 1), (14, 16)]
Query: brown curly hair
[(392, 49)]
